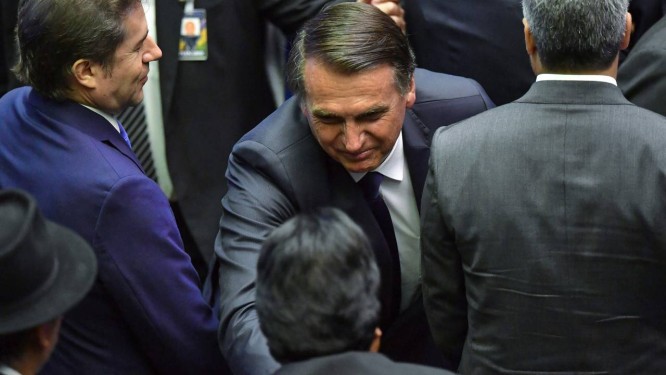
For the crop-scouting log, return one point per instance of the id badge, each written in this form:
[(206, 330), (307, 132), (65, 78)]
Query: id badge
[(193, 44)]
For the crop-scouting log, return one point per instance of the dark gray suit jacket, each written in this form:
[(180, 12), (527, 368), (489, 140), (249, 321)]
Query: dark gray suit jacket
[(365, 363), (642, 76), (543, 226), (279, 169)]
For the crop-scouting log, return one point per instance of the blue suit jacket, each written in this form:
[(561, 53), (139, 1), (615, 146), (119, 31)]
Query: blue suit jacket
[(279, 169), (145, 313)]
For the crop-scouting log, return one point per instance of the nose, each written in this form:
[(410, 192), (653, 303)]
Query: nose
[(353, 137), (153, 51)]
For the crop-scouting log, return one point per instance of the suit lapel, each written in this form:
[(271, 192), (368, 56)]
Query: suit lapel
[(416, 138), (88, 122)]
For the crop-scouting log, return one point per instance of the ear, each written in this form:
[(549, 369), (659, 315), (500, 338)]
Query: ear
[(304, 109), (47, 334), (530, 44), (86, 72), (410, 96), (376, 340), (627, 32)]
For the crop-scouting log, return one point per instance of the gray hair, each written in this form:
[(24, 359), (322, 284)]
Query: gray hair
[(576, 35), (351, 38)]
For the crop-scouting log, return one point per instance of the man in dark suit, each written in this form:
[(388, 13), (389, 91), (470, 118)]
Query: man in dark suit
[(331, 332), (208, 105), (476, 39), (59, 141), (543, 220), (356, 104), (642, 76)]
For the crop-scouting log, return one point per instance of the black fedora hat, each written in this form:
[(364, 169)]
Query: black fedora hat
[(45, 268)]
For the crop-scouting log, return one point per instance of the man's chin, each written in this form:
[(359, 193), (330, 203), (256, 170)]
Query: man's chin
[(359, 167)]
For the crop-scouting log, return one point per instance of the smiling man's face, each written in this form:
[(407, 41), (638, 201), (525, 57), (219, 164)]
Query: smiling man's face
[(356, 118)]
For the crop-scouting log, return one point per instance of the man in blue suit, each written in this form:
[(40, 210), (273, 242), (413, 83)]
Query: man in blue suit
[(86, 60), (360, 107)]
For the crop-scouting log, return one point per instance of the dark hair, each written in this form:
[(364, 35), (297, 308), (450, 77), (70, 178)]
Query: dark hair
[(15, 344), (317, 287), (350, 38), (576, 35), (53, 34)]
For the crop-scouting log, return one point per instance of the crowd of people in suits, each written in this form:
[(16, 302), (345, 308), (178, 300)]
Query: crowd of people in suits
[(497, 209)]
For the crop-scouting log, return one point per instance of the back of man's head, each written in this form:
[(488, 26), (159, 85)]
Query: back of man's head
[(576, 35), (317, 285), (351, 38), (52, 34)]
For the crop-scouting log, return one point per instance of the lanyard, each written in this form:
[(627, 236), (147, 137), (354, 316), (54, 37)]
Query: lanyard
[(189, 6)]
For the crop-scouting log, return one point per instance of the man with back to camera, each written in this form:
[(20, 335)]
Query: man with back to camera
[(59, 141), (360, 107), (317, 288), (45, 269), (543, 247)]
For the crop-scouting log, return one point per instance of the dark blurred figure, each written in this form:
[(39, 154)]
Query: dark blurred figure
[(642, 76), (644, 14), (45, 269), (317, 298), (8, 10), (479, 39)]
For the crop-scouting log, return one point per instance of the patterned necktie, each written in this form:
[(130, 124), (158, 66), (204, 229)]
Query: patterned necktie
[(134, 121), (369, 184)]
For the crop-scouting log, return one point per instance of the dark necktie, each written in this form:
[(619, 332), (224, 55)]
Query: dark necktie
[(369, 184), (133, 119)]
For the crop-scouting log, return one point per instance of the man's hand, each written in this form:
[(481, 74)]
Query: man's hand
[(391, 8)]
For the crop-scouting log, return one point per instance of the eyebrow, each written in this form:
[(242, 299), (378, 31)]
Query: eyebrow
[(372, 112), (140, 42)]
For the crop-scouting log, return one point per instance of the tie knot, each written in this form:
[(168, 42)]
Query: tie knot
[(369, 184)]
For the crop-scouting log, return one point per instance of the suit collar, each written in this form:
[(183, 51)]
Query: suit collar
[(573, 92), (416, 141), (74, 115)]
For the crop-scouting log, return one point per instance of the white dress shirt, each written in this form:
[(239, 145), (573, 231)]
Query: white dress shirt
[(576, 77)]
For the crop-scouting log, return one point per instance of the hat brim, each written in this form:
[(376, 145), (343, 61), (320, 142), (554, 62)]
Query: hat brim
[(77, 269)]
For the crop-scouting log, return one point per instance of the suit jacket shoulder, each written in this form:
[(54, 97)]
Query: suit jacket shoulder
[(642, 75), (356, 363)]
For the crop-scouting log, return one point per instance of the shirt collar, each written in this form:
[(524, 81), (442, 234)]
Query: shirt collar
[(392, 166), (8, 370), (107, 116), (576, 77)]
